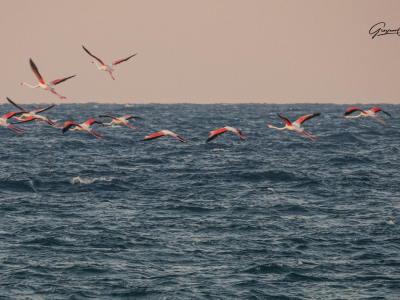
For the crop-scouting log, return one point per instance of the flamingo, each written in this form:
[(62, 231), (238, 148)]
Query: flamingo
[(160, 134), (83, 127), (121, 120), (30, 116), (107, 68), (4, 119), (217, 132), (369, 113), (42, 84), (295, 126)]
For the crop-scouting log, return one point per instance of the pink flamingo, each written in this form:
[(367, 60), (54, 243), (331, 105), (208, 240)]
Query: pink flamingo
[(369, 113), (42, 84), (162, 133), (217, 132), (122, 120), (33, 115), (295, 126), (4, 121), (107, 68), (83, 127)]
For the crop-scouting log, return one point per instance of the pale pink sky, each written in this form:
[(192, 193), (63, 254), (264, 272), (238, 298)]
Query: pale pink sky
[(208, 51)]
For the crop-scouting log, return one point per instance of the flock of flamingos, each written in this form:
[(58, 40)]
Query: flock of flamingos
[(23, 116)]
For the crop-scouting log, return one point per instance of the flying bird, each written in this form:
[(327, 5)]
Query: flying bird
[(369, 113), (217, 132), (33, 115), (162, 133), (107, 68), (295, 126), (4, 121), (122, 120), (83, 127), (42, 84)]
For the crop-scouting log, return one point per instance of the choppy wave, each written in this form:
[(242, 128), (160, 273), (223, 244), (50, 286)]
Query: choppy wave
[(276, 217)]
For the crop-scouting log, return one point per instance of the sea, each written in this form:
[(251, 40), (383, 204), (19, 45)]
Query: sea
[(277, 216)]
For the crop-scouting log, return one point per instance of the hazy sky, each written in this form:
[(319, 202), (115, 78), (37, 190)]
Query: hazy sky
[(205, 51)]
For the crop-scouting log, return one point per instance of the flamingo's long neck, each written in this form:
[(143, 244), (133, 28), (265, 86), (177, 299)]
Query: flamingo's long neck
[(351, 117), (100, 67), (109, 123), (34, 87), (270, 126)]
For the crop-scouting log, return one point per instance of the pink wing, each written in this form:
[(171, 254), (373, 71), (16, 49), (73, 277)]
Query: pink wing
[(57, 81), (128, 117), (122, 60), (215, 133), (351, 110), (36, 71), (285, 120), (179, 138), (93, 55), (376, 109), (28, 119), (305, 118), (11, 114), (108, 116), (42, 109), (153, 136), (92, 121), (240, 134), (68, 125)]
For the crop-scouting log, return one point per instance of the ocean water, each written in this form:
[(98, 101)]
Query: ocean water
[(276, 217)]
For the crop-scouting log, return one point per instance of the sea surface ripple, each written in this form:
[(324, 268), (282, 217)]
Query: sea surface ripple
[(276, 217)]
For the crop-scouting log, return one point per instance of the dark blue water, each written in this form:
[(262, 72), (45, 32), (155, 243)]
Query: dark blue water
[(276, 217)]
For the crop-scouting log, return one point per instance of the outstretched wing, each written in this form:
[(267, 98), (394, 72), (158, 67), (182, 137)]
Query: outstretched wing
[(350, 110), (92, 55), (215, 133), (28, 119), (57, 81), (68, 125), (240, 134), (285, 120), (42, 109), (374, 110), (122, 60), (305, 118), (11, 114), (129, 117), (36, 71), (52, 123), (92, 121), (153, 136), (16, 105), (179, 138), (107, 116)]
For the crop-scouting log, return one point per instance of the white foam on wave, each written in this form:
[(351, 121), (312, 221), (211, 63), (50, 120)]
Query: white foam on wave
[(390, 222), (216, 149), (79, 180)]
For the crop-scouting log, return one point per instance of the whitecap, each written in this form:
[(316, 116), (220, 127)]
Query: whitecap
[(89, 181), (216, 149)]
